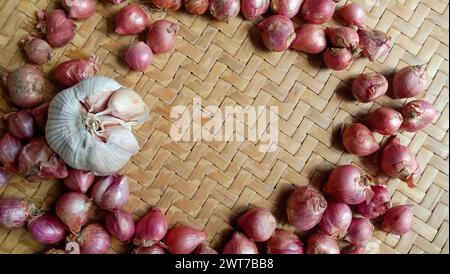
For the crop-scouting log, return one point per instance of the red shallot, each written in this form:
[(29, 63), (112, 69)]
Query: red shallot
[(205, 249), (38, 162), (288, 8), (384, 120), (93, 239), (59, 30), (240, 244), (21, 124), (154, 249), (398, 161), (417, 115), (378, 205), (165, 5), (196, 6), (359, 140), (310, 38), (26, 86), (151, 228), (131, 19), (343, 37), (258, 224), (10, 148), (254, 8), (410, 81), (73, 209), (36, 49), (79, 180), (139, 56), (71, 72), (354, 14), (359, 232), (351, 249), (224, 10), (398, 220), (348, 184), (284, 242), (374, 43), (47, 229), (79, 9), (305, 208), (14, 213), (367, 87), (111, 192), (318, 11), (120, 225), (320, 243), (277, 32), (162, 35), (336, 219), (184, 239), (40, 114), (339, 58)]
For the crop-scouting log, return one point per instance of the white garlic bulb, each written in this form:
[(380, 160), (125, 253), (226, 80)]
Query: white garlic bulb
[(86, 134)]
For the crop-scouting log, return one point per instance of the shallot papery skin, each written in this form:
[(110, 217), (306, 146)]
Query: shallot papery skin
[(348, 184), (277, 32), (375, 44), (184, 239), (196, 6), (38, 162), (240, 244), (73, 209), (398, 220), (305, 208), (131, 19), (10, 148), (397, 161), (40, 114), (47, 229), (93, 239), (120, 225), (318, 11), (59, 30), (309, 38), (72, 72), (154, 249), (288, 8), (111, 192), (14, 213), (367, 87), (166, 4), (3, 177), (26, 86), (258, 224), (254, 8), (359, 140), (21, 124), (354, 14), (162, 35), (139, 56), (409, 81), (36, 49), (338, 58), (359, 232), (205, 249), (343, 37), (417, 114), (151, 228), (378, 205), (79, 9), (336, 219), (224, 10), (79, 180), (320, 243), (284, 242), (384, 120)]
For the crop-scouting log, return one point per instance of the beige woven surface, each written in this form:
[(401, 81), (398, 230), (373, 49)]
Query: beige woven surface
[(207, 185)]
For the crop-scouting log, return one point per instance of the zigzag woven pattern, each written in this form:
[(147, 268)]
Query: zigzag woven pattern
[(208, 184)]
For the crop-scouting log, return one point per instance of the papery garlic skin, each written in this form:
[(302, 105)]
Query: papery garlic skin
[(88, 141)]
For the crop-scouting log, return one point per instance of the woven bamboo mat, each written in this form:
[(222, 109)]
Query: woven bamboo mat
[(208, 184)]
